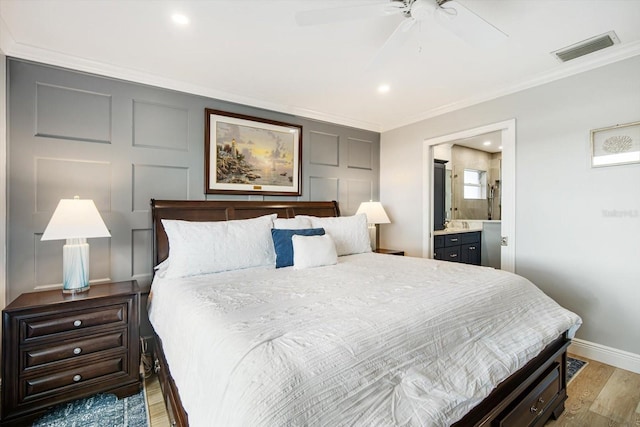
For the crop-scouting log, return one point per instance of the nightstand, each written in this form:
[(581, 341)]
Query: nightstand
[(58, 347), (389, 251)]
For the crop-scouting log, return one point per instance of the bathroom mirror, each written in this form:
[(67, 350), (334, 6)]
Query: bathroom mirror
[(471, 180)]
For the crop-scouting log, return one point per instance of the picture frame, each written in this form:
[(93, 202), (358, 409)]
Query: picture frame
[(615, 145), (251, 155)]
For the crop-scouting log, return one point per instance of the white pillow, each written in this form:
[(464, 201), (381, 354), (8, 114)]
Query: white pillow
[(313, 251), (350, 233), (298, 223), (209, 247)]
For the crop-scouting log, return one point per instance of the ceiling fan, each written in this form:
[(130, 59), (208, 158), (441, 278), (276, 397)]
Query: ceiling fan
[(451, 14)]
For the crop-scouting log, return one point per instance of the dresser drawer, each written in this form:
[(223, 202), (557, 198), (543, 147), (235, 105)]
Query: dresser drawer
[(35, 327), (73, 348), (56, 381), (536, 401)]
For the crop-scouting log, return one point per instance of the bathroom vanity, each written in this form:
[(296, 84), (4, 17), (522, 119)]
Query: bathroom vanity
[(458, 245)]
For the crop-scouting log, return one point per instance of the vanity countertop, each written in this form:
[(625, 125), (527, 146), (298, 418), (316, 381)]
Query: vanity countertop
[(455, 231)]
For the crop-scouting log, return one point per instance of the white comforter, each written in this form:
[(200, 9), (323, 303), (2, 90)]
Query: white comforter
[(375, 340)]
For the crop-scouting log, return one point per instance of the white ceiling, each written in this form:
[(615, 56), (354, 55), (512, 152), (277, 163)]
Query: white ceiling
[(253, 52)]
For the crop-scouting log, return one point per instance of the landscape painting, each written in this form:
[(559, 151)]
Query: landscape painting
[(249, 155)]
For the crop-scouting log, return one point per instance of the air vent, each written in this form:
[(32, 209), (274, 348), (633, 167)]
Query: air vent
[(586, 47)]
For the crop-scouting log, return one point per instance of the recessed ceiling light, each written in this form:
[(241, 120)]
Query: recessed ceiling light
[(486, 143), (500, 147), (180, 19), (383, 88)]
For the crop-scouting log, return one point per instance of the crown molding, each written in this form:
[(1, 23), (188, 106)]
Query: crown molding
[(11, 48), (49, 57)]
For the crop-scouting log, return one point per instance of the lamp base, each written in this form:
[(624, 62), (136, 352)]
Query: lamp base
[(373, 236), (75, 266), (75, 290)]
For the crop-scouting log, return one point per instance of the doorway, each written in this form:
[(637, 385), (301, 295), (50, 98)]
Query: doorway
[(507, 133)]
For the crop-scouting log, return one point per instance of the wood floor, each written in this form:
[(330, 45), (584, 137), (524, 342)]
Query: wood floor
[(600, 396)]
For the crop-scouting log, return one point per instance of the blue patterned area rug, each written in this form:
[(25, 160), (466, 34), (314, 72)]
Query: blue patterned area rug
[(573, 367), (100, 410)]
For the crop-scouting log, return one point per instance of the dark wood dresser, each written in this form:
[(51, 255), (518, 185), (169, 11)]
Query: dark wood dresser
[(58, 347)]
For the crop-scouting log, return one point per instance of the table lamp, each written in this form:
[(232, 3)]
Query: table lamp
[(375, 215), (75, 220)]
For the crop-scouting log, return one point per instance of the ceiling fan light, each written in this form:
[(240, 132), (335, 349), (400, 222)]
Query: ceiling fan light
[(423, 9)]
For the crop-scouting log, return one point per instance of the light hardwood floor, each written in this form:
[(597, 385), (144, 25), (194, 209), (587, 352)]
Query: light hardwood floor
[(599, 396)]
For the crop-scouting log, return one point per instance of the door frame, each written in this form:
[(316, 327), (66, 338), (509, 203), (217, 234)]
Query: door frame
[(507, 187)]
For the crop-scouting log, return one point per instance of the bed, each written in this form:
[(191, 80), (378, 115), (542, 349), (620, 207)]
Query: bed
[(365, 339)]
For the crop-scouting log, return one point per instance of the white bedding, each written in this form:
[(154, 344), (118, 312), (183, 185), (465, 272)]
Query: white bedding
[(375, 340)]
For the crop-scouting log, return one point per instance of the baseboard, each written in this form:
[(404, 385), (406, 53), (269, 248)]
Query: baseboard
[(601, 353)]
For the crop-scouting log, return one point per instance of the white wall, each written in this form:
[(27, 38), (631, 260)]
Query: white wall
[(567, 244)]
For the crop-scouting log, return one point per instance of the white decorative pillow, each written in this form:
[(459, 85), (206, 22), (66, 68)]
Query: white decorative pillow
[(297, 223), (313, 251), (350, 233), (209, 247)]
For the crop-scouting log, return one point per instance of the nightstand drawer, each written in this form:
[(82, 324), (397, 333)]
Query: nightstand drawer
[(35, 327), (31, 387), (73, 348)]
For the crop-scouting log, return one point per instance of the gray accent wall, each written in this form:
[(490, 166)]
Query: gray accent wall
[(121, 144)]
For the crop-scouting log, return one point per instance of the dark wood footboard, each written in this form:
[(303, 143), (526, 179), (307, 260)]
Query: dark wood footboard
[(529, 397)]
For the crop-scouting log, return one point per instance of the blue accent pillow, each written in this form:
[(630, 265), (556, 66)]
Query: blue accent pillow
[(283, 245)]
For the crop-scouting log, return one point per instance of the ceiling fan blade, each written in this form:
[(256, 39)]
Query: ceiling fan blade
[(339, 14), (396, 40), (468, 26)]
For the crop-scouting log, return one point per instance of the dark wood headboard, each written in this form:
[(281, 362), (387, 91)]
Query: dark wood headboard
[(216, 210)]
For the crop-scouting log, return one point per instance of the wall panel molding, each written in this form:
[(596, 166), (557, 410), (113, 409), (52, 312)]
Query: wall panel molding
[(324, 149), (160, 126), (360, 154), (73, 114), (158, 182), (58, 178), (121, 144), (323, 188)]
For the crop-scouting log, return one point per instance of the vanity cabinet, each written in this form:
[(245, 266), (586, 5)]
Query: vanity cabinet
[(458, 247)]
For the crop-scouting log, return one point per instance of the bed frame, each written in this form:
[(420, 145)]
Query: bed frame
[(529, 397)]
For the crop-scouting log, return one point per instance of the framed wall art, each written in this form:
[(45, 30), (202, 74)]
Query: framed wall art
[(251, 155), (615, 145)]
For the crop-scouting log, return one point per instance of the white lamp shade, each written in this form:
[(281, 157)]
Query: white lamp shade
[(75, 218), (374, 211)]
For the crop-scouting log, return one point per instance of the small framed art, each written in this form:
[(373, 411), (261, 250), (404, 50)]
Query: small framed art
[(251, 155), (615, 145)]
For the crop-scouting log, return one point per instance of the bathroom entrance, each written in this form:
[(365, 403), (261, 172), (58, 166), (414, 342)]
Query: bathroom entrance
[(470, 187)]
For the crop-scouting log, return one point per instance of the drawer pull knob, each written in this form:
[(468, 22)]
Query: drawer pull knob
[(541, 400), (77, 350), (453, 255), (77, 323), (77, 378), (454, 240), (533, 409), (472, 248)]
